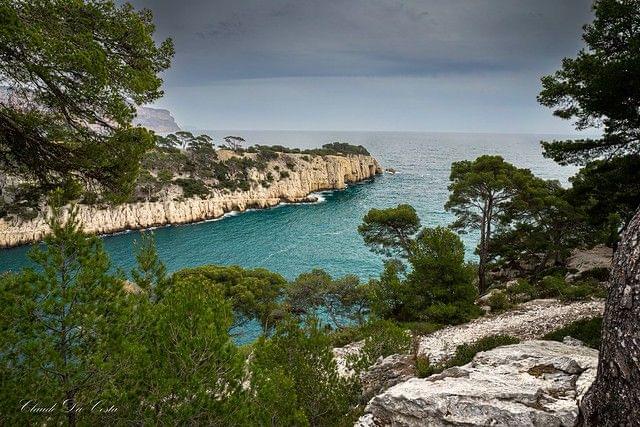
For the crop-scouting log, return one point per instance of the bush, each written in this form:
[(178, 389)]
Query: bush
[(347, 335), (466, 352), (441, 283), (284, 174), (522, 287), (90, 198), (586, 330), (420, 328), (583, 290), (344, 148), (557, 287), (165, 176), (424, 368), (383, 338), (601, 274), (192, 187), (499, 301), (267, 155), (303, 360)]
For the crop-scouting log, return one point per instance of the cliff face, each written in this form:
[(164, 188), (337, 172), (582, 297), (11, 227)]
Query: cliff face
[(156, 119), (316, 174)]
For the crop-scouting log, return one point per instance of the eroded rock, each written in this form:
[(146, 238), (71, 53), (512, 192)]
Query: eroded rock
[(386, 373), (529, 320), (535, 383)]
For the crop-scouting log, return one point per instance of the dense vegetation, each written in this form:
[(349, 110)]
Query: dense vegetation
[(73, 73)]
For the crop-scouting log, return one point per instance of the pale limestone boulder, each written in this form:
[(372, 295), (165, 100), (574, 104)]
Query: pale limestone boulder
[(386, 373), (535, 383)]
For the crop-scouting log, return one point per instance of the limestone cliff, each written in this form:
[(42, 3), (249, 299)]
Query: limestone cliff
[(156, 119), (309, 175)]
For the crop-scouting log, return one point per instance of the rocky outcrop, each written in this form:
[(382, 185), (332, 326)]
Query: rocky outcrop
[(386, 373), (535, 383), (529, 320), (316, 174)]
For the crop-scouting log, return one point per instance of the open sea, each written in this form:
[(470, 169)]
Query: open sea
[(291, 239)]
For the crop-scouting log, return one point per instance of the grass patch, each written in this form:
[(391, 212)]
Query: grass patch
[(586, 330)]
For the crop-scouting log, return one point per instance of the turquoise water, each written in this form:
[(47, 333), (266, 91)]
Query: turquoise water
[(291, 239)]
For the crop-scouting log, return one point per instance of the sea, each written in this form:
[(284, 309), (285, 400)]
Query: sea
[(294, 238)]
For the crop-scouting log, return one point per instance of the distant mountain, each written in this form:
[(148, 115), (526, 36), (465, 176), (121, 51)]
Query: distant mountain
[(156, 119)]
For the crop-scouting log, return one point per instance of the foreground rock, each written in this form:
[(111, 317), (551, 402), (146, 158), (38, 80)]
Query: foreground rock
[(386, 373), (529, 320), (329, 172), (535, 383)]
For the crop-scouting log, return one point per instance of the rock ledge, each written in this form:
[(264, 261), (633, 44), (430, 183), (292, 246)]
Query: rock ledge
[(534, 383)]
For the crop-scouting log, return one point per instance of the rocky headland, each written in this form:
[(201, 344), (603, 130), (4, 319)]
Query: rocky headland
[(297, 175)]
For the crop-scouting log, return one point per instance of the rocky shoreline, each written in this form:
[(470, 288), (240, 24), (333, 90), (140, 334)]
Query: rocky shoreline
[(330, 172)]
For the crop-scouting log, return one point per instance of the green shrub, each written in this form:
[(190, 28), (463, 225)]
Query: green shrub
[(306, 158), (383, 338), (420, 328), (557, 287), (284, 174), (424, 368), (165, 176), (192, 187), (583, 290), (586, 330), (302, 360), (267, 155), (601, 274), (452, 313), (551, 286), (344, 148), (499, 301), (89, 198), (347, 335), (466, 352), (522, 287)]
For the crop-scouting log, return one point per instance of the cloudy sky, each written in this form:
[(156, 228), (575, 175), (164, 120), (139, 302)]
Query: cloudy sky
[(397, 65)]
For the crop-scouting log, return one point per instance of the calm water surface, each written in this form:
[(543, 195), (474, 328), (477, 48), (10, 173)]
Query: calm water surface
[(291, 239)]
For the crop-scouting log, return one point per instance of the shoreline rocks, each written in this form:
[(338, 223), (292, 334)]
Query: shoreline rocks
[(322, 173)]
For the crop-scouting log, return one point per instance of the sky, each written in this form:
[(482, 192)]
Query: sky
[(380, 65)]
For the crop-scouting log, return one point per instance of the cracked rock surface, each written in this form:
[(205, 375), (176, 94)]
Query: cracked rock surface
[(530, 320), (534, 383)]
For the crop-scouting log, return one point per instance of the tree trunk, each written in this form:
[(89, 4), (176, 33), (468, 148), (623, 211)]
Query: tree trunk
[(614, 397), (482, 280)]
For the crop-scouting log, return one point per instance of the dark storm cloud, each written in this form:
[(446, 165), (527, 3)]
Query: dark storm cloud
[(237, 39)]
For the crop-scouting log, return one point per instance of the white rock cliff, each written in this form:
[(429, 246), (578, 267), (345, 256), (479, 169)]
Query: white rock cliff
[(319, 173)]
